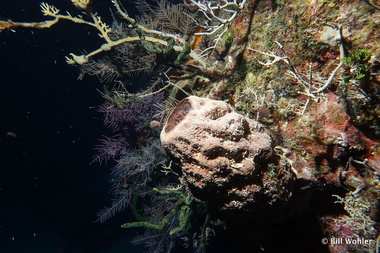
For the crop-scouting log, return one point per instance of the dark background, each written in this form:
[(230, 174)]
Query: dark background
[(49, 125)]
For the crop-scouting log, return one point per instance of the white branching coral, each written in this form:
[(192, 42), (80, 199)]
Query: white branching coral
[(276, 58), (76, 59), (214, 13), (49, 10), (172, 19), (81, 4), (358, 210), (162, 29), (218, 15), (312, 86), (104, 29)]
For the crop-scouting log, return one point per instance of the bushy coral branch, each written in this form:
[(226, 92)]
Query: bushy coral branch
[(172, 19)]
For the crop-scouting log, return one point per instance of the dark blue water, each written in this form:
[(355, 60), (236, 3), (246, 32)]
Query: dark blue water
[(49, 125)]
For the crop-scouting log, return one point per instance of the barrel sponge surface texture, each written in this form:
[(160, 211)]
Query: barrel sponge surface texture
[(225, 157)]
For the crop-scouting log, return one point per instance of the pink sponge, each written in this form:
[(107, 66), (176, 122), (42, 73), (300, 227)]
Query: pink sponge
[(227, 159)]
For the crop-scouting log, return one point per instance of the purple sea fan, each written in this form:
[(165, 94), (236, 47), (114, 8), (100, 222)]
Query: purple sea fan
[(134, 116), (115, 118), (109, 148), (132, 174)]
